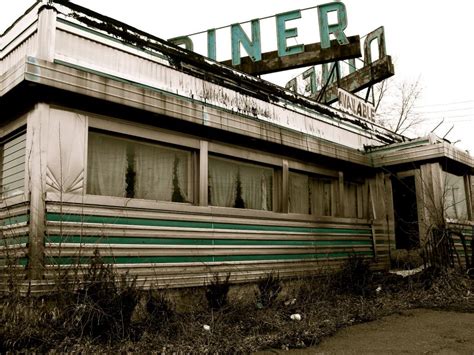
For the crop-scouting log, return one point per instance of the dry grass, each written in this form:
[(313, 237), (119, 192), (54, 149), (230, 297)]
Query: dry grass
[(134, 321)]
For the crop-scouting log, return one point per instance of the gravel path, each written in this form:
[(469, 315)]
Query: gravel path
[(418, 331)]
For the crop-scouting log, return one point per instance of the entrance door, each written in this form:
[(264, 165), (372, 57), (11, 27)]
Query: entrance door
[(406, 213)]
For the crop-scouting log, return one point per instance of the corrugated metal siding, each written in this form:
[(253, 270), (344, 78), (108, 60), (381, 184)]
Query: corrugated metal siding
[(14, 221), (468, 231), (17, 51), (171, 249), (12, 177)]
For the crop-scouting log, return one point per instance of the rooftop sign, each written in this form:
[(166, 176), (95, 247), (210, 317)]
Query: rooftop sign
[(322, 82), (285, 56), (354, 105)]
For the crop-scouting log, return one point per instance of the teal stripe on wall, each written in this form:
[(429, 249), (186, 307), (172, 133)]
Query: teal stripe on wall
[(189, 241), (14, 220), (23, 261), (56, 217), (10, 241)]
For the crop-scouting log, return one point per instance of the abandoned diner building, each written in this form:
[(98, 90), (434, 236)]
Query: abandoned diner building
[(177, 167)]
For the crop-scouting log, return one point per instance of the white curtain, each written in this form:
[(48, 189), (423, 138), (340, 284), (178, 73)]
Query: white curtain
[(299, 193), (161, 173), (350, 200), (222, 182), (256, 184), (256, 187), (107, 166), (321, 196)]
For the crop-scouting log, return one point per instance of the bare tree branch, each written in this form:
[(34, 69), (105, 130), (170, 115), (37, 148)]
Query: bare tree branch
[(395, 105)]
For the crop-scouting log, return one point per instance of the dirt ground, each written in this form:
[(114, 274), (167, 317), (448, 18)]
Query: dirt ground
[(419, 331)]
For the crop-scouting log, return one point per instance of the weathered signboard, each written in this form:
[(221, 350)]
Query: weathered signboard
[(354, 105), (322, 83), (285, 56)]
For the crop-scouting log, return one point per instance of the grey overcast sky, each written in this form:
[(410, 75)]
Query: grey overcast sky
[(429, 40)]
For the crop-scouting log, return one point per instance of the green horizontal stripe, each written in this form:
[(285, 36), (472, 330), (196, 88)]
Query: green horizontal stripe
[(23, 261), (186, 241), (14, 220), (56, 217), (10, 241), (202, 259), (18, 261)]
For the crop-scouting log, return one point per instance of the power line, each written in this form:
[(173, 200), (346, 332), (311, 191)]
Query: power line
[(438, 117), (451, 110), (446, 104)]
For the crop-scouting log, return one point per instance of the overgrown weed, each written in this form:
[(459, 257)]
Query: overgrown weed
[(217, 290), (105, 314), (269, 287)]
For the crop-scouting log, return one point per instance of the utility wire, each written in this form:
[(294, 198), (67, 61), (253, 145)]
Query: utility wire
[(451, 110), (446, 104)]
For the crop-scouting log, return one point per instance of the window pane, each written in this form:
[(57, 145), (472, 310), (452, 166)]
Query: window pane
[(161, 173), (240, 185), (299, 193), (321, 196), (13, 166), (455, 197), (126, 168), (107, 165), (350, 200)]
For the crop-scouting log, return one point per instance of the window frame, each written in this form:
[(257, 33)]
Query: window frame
[(333, 182), (191, 171), (276, 179), (7, 138)]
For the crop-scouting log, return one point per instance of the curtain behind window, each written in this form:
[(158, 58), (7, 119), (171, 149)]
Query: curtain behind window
[(350, 200), (240, 185), (124, 168), (299, 194), (321, 196), (107, 166), (161, 173), (222, 182)]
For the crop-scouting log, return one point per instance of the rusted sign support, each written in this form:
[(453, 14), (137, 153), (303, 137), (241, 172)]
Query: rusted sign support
[(369, 75), (313, 54)]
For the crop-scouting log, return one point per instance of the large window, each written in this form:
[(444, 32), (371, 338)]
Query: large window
[(12, 177), (310, 194), (353, 200), (128, 168), (455, 197), (236, 184)]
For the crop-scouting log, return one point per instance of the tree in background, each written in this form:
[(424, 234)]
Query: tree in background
[(395, 104)]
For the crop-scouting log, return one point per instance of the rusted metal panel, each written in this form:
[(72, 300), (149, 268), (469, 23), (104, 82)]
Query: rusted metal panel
[(313, 54), (298, 129), (369, 75)]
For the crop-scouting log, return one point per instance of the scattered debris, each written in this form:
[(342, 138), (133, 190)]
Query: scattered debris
[(295, 316), (290, 302), (406, 273)]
